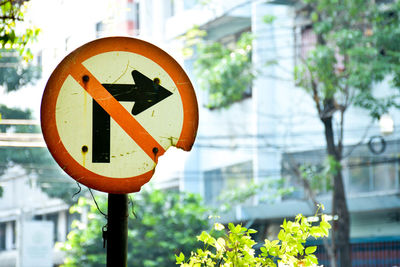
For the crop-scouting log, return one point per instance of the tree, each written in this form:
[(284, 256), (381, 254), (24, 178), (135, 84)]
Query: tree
[(225, 72), (13, 50), (354, 50), (36, 161), (166, 224), (11, 15), (15, 72)]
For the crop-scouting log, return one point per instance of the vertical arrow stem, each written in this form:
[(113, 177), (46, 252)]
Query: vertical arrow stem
[(100, 135)]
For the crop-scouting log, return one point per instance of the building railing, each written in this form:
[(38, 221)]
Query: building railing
[(369, 252)]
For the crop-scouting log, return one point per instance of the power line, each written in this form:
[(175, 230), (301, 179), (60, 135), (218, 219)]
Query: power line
[(18, 122)]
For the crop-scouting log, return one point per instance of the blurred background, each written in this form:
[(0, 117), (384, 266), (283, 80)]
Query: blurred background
[(298, 106)]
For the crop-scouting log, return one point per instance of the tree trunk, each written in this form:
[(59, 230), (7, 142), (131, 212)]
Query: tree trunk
[(341, 226)]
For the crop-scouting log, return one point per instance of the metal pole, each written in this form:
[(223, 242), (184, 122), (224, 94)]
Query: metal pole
[(117, 230)]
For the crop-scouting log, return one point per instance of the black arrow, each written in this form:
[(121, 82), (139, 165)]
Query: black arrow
[(145, 93)]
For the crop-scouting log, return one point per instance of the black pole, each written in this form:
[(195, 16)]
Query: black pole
[(117, 230)]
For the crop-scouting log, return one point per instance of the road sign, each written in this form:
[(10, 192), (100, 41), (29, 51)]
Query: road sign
[(112, 107)]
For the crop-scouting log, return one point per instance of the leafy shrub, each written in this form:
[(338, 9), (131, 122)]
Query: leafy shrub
[(235, 247)]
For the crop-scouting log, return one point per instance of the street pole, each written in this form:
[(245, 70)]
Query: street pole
[(117, 230)]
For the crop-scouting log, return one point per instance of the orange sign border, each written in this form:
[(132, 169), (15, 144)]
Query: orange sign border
[(72, 62)]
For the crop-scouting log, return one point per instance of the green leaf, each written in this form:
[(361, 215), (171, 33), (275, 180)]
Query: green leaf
[(316, 231), (219, 227), (325, 225), (310, 250), (313, 259), (268, 19), (251, 231), (314, 16), (206, 238), (180, 259), (281, 235), (231, 227)]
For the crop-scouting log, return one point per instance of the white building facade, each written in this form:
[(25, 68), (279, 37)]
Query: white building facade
[(235, 147), (254, 138)]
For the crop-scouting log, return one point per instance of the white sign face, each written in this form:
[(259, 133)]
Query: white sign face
[(112, 107), (75, 118), (37, 244)]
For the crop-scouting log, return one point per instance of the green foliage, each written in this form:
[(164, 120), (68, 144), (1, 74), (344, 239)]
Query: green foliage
[(14, 113), (166, 224), (39, 163), (356, 49), (14, 72), (52, 180), (270, 188), (224, 72), (320, 177), (236, 246), (14, 38), (35, 160), (269, 19), (191, 39), (12, 156), (11, 37)]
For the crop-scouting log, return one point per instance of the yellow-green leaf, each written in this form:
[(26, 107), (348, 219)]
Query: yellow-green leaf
[(310, 250)]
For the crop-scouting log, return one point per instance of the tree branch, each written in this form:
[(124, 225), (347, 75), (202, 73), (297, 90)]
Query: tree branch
[(311, 195), (360, 142), (12, 17), (314, 87)]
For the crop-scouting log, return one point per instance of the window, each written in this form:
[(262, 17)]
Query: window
[(359, 179), (311, 163), (137, 17), (99, 29), (220, 181), (53, 217), (373, 176), (171, 8), (213, 185), (14, 234), (308, 41), (2, 236), (188, 4), (363, 171), (384, 176)]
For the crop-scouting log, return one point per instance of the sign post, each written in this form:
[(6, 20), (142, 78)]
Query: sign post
[(117, 230), (110, 109)]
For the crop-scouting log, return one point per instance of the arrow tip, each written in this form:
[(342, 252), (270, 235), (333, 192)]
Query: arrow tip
[(150, 92)]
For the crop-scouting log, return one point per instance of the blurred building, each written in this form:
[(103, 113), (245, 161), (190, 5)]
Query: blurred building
[(24, 208), (276, 125), (254, 140)]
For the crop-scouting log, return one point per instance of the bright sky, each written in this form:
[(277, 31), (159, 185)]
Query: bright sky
[(57, 24), (66, 25)]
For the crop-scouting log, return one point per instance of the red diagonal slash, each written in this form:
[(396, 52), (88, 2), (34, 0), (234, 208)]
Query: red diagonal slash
[(120, 115)]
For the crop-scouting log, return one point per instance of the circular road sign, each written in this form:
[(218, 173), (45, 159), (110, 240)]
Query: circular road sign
[(112, 107)]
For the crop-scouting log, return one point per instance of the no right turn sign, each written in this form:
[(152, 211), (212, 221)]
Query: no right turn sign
[(112, 107)]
